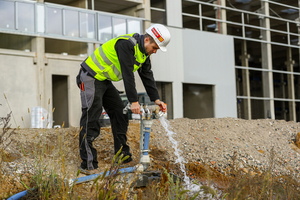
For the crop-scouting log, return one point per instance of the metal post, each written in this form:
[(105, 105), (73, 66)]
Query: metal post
[(243, 25), (267, 77), (298, 77), (291, 86), (200, 17), (282, 88), (16, 16), (223, 17), (246, 83), (221, 27), (141, 138)]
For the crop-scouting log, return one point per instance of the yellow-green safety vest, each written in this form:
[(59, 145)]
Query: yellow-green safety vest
[(104, 61)]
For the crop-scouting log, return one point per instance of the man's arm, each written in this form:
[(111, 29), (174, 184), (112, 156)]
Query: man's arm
[(125, 52), (147, 78)]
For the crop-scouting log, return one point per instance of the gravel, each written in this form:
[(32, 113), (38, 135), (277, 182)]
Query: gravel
[(222, 143), (253, 144)]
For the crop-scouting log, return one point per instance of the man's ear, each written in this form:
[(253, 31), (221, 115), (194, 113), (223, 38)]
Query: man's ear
[(147, 39)]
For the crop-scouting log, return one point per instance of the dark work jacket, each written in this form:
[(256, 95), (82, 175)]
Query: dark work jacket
[(125, 52)]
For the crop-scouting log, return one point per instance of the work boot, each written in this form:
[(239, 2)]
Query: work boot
[(89, 172)]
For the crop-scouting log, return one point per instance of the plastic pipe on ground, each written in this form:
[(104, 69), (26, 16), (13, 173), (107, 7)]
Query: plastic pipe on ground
[(77, 181), (94, 176), (18, 196)]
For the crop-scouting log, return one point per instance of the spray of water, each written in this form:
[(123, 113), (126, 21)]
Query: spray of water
[(180, 159)]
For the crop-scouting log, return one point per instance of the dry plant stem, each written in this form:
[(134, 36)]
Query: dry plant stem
[(4, 121), (10, 109), (4, 143)]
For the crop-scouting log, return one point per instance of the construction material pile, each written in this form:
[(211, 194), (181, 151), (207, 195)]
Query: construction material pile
[(250, 145)]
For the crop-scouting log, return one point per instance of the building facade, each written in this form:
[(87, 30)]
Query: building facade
[(226, 58)]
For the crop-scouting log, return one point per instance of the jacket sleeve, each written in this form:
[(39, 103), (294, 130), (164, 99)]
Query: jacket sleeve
[(125, 52), (146, 75)]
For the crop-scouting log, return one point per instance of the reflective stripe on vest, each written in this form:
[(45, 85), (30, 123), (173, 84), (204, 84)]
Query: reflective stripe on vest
[(106, 68)]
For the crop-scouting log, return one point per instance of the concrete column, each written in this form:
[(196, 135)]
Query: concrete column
[(143, 10), (221, 14), (91, 47), (246, 83), (291, 87), (38, 46), (174, 13), (267, 77)]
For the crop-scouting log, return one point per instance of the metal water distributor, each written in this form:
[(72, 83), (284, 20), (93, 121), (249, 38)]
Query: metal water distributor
[(146, 113)]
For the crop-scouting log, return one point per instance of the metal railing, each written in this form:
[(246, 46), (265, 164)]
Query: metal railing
[(64, 22)]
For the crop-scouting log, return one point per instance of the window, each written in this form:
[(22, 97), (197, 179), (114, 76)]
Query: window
[(87, 25), (25, 19), (54, 21), (71, 23), (7, 15), (119, 26), (104, 28), (134, 26), (158, 11)]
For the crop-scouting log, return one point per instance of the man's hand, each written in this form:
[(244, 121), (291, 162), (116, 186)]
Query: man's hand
[(162, 105), (135, 108)]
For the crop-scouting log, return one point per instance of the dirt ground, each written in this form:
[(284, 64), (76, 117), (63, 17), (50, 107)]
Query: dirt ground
[(206, 146)]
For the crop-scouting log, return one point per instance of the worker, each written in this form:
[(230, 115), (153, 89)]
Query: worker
[(116, 60)]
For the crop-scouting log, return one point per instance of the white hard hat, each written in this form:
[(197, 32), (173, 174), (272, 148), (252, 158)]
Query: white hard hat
[(160, 34)]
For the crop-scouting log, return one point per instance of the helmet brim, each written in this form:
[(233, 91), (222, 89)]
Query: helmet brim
[(163, 49)]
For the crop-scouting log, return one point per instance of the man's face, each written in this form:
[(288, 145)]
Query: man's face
[(150, 47)]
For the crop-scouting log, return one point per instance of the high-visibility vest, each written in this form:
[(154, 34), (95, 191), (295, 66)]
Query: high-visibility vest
[(104, 61)]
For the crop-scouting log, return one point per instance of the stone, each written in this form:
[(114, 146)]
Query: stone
[(298, 140)]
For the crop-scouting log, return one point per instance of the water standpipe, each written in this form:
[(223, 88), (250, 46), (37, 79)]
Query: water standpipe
[(146, 113)]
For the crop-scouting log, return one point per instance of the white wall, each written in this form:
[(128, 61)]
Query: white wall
[(209, 59), (200, 58), (18, 81), (168, 67)]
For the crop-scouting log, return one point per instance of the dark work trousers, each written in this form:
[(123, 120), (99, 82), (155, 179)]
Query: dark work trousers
[(95, 94)]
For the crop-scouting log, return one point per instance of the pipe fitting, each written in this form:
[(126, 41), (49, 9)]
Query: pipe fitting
[(159, 115), (127, 107), (145, 161)]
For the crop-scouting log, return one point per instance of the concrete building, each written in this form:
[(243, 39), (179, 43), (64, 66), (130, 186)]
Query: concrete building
[(226, 58)]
